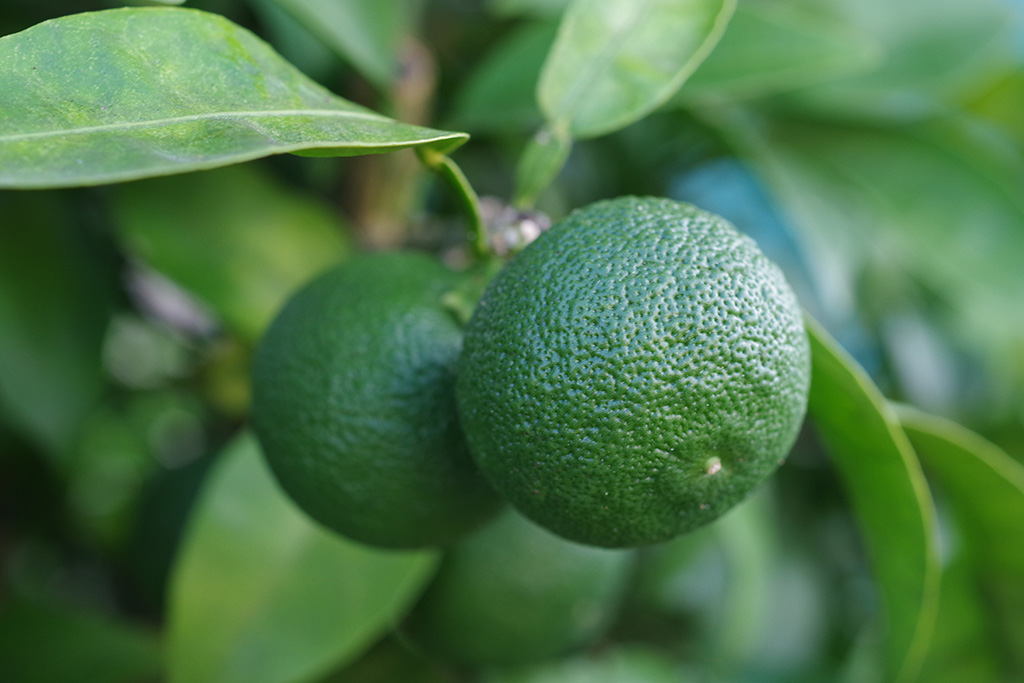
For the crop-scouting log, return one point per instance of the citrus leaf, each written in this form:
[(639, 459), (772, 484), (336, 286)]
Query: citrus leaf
[(92, 646), (261, 594), (933, 51), (367, 33), (540, 163), (772, 47), (531, 8), (54, 309), (932, 205), (985, 487), (615, 61), (122, 94), (889, 496), (499, 93), (232, 237)]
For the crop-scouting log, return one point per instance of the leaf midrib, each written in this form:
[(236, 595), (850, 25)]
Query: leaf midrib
[(569, 105), (152, 123)]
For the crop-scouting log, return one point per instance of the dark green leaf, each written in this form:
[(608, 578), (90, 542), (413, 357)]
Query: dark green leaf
[(615, 61), (773, 47), (232, 237), (45, 644), (121, 94), (54, 307), (500, 92), (261, 594), (365, 32), (889, 496), (985, 487)]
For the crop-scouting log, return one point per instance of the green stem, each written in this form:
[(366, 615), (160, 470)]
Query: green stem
[(457, 181)]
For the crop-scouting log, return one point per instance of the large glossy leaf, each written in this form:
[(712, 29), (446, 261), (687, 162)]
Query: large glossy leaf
[(985, 488), (365, 32), (773, 47), (55, 301), (92, 646), (130, 93), (233, 237), (889, 496), (261, 594), (932, 52), (931, 205), (615, 61)]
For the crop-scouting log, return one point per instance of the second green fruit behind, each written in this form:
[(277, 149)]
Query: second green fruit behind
[(634, 373)]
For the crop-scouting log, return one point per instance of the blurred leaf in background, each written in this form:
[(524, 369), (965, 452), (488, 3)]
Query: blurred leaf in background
[(235, 238)]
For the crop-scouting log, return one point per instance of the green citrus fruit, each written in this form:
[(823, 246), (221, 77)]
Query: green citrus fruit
[(513, 592), (633, 373), (354, 404)]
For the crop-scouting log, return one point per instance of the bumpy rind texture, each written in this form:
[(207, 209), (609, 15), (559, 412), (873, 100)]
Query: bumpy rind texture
[(354, 404), (633, 373)]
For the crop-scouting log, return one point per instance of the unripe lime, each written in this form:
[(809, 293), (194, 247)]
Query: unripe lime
[(513, 592), (633, 373), (354, 404)]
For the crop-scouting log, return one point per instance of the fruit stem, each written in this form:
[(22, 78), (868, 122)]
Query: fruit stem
[(443, 165)]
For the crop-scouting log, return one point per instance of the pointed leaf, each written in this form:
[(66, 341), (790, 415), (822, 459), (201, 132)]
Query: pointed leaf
[(773, 47), (367, 33), (985, 487), (261, 594), (55, 304), (499, 93), (889, 496), (232, 237), (92, 646), (614, 61), (122, 94)]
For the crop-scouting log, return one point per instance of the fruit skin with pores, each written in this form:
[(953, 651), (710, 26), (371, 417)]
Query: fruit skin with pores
[(633, 373), (354, 404)]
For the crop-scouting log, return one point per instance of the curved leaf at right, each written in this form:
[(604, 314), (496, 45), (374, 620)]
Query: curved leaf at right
[(889, 496), (985, 490)]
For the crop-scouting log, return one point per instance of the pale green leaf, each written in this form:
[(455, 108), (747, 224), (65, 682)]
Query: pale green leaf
[(261, 594), (122, 94), (233, 237), (614, 61), (540, 164), (932, 205), (985, 488), (367, 33), (888, 494), (773, 47), (932, 52)]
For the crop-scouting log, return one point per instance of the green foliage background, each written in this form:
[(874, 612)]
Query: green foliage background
[(875, 150)]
